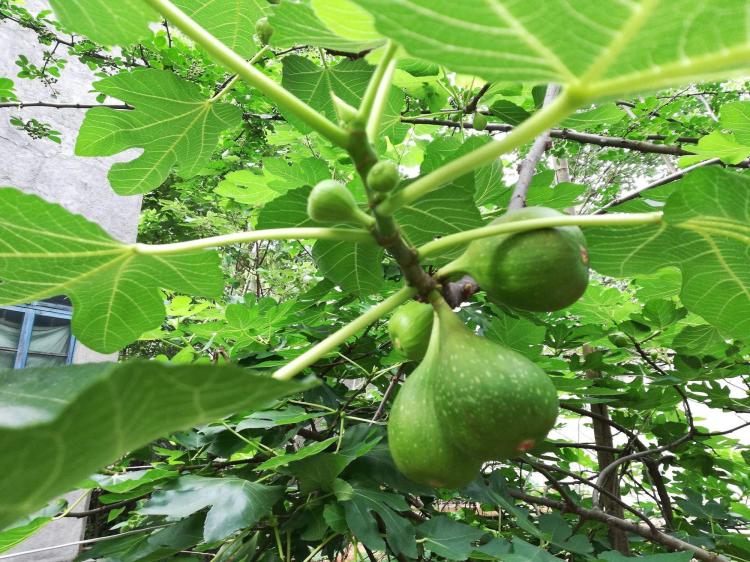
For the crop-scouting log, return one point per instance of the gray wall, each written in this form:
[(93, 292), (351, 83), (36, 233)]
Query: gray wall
[(53, 172)]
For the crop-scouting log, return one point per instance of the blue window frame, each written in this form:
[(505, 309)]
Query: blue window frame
[(36, 334)]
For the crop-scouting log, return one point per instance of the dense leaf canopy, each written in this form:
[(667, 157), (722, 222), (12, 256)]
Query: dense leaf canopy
[(246, 420)]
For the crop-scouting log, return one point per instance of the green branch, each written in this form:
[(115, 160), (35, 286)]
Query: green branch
[(528, 130), (359, 236), (226, 56), (462, 238), (340, 336)]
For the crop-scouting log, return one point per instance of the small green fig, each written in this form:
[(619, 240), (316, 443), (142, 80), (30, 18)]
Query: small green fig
[(263, 30), (540, 270), (330, 201), (410, 328), (383, 176), (480, 121)]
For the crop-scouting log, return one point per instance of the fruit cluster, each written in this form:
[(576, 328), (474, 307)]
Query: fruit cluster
[(472, 400)]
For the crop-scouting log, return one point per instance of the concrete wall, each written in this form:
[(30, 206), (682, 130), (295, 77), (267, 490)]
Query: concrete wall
[(53, 172)]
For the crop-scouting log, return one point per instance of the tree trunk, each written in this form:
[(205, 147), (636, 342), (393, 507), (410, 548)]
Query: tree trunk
[(603, 436)]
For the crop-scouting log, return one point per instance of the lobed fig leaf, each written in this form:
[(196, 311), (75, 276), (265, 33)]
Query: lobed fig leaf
[(410, 328), (541, 270)]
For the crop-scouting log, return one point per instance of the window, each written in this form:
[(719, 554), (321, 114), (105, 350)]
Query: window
[(36, 335)]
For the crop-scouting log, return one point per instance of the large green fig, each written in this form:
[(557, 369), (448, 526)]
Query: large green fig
[(539, 270), (470, 400), (416, 438), (493, 402), (410, 328)]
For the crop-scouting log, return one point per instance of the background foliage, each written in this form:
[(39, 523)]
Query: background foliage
[(651, 364)]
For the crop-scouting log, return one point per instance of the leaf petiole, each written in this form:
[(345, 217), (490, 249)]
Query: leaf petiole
[(352, 235), (340, 336), (461, 238)]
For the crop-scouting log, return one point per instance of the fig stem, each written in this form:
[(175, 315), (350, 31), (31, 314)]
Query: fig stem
[(462, 238)]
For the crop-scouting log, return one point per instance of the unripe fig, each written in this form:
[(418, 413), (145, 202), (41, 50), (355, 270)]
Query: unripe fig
[(480, 121), (383, 176), (330, 201), (417, 441), (493, 402), (539, 270), (410, 328), (263, 30), (470, 400)]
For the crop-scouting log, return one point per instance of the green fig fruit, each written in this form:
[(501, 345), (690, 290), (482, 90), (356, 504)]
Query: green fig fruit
[(493, 403), (540, 270), (263, 30), (330, 201), (416, 439), (410, 328), (480, 121), (383, 177)]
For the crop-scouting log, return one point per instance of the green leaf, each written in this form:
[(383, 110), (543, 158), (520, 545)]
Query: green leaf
[(296, 23), (601, 116), (247, 188), (172, 122), (52, 416), (46, 251), (318, 472), (283, 176), (448, 538), (314, 84), (105, 22), (736, 118), (356, 268), (517, 333), (127, 21), (699, 340), (27, 527), (527, 552), (716, 145), (289, 210), (359, 512), (627, 47), (347, 20), (303, 453), (235, 503), (705, 233), (509, 112), (149, 547)]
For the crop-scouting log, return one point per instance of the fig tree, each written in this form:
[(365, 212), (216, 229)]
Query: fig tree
[(410, 328), (383, 177), (539, 270), (330, 201)]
